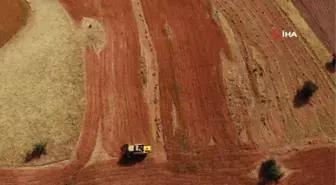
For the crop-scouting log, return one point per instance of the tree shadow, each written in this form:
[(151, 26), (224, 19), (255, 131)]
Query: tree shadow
[(261, 175), (262, 182), (127, 159), (302, 96), (300, 99), (331, 66)]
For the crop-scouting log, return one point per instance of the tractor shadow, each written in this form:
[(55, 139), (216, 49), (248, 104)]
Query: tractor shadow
[(261, 175), (129, 160)]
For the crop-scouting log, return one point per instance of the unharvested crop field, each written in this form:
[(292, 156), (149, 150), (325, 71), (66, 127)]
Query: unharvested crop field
[(42, 91), (202, 81)]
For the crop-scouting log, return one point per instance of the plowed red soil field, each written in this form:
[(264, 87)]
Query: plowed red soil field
[(320, 15), (206, 84), (14, 15)]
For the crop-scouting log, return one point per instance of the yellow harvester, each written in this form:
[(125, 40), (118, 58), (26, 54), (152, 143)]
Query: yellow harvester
[(136, 149)]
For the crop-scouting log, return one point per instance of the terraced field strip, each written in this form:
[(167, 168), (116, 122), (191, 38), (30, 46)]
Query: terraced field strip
[(190, 71), (149, 72), (125, 115)]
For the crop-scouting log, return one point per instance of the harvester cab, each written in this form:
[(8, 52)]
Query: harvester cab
[(136, 149)]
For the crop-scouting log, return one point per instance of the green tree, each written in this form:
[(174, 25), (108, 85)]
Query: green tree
[(309, 88), (270, 171)]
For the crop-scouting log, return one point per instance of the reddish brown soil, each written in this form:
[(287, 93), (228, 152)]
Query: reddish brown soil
[(276, 74), (124, 116), (14, 14), (313, 167), (190, 78), (320, 15), (189, 75)]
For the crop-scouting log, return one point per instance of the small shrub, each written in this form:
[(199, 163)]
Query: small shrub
[(309, 88), (333, 59), (331, 65), (38, 151), (270, 171), (333, 62)]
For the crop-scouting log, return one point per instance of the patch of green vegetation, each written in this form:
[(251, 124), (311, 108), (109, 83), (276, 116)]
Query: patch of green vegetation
[(38, 151)]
